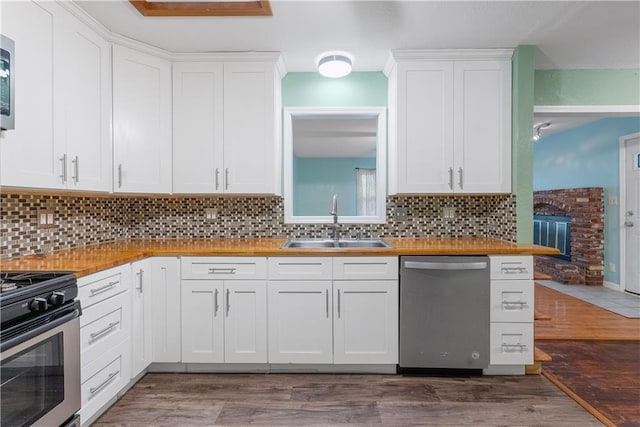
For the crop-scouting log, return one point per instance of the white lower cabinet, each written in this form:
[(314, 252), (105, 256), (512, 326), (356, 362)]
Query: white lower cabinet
[(300, 321), (165, 309), (341, 310), (224, 321), (105, 337), (142, 325), (365, 321), (512, 310)]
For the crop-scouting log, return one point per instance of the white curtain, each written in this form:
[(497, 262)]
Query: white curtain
[(365, 192)]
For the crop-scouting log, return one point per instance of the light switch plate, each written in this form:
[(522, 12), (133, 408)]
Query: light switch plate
[(211, 213), (448, 212)]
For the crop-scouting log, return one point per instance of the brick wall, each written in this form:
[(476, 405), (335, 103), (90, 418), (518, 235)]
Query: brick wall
[(585, 207)]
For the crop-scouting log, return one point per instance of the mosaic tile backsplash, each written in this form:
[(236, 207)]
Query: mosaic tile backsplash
[(84, 220)]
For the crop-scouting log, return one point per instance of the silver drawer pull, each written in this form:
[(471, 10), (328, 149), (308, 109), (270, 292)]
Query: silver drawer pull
[(514, 270), (228, 270), (103, 288), (95, 335), (103, 384), (522, 304), (513, 348)]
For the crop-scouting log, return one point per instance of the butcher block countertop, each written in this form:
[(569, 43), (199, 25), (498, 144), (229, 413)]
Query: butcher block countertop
[(90, 259)]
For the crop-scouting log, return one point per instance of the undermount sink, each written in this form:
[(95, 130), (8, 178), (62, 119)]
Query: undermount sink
[(335, 244)]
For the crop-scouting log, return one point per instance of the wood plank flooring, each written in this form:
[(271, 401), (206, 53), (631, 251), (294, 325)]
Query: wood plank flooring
[(318, 399), (573, 319)]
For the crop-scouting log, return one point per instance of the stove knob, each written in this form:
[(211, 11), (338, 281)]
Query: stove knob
[(38, 304), (56, 298)]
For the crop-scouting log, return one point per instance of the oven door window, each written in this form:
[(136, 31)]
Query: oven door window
[(32, 382)]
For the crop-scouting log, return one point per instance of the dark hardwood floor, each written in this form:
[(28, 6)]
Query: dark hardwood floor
[(595, 355), (318, 399)]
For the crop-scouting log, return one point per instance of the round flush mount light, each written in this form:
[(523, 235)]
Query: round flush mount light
[(335, 64)]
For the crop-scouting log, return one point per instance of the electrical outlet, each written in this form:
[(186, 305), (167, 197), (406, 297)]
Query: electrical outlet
[(45, 218), (401, 213), (211, 213), (613, 200), (448, 213), (612, 267)]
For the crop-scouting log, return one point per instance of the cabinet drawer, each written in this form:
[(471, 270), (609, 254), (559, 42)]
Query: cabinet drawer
[(365, 268), (100, 286), (511, 344), (103, 378), (227, 268), (103, 326), (512, 301), (505, 267), (300, 268)]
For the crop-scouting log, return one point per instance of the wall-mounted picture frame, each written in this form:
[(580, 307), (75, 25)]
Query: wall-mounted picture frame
[(7, 83)]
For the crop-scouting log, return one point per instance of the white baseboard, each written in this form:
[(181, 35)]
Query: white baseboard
[(611, 285)]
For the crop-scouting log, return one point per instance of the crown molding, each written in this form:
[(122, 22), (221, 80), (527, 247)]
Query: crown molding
[(451, 54)]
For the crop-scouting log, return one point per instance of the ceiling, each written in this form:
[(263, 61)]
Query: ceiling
[(567, 34)]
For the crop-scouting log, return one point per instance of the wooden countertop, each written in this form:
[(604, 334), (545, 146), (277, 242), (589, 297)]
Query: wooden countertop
[(90, 259)]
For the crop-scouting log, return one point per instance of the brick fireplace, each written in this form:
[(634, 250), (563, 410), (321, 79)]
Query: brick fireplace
[(585, 208)]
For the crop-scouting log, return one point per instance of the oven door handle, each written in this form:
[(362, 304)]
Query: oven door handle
[(31, 333)]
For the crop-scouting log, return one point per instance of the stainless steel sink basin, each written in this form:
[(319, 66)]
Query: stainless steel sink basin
[(333, 244)]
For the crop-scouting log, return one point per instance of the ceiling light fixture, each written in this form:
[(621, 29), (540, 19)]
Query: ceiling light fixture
[(334, 64), (536, 128)]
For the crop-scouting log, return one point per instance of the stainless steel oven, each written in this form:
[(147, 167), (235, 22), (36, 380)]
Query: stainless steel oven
[(40, 357)]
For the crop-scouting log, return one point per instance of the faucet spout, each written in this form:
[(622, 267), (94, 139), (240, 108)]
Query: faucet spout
[(334, 213)]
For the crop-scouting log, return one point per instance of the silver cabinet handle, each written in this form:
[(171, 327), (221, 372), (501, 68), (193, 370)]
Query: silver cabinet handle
[(228, 292), (76, 176), (226, 270), (139, 287), (522, 304), (215, 303), (96, 335), (445, 265), (628, 223), (63, 168), (451, 178), (327, 298), (120, 175), (94, 390), (103, 288), (338, 303), (460, 173), (217, 178), (512, 348), (226, 178), (513, 270)]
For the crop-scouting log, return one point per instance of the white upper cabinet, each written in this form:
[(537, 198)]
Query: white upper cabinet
[(450, 122), (83, 65), (141, 122), (197, 127), (226, 127), (62, 101)]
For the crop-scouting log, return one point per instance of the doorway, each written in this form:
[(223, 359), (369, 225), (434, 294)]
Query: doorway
[(630, 210)]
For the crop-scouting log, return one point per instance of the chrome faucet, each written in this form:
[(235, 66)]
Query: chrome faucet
[(334, 213)]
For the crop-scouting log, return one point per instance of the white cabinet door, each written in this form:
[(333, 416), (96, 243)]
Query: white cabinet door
[(300, 322), (141, 122), (482, 128), (202, 321), (245, 324), (141, 340), (29, 155), (197, 127), (249, 133), (84, 106), (365, 321), (424, 135), (165, 309)]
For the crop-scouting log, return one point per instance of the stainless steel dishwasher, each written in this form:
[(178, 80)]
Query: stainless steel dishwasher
[(444, 312)]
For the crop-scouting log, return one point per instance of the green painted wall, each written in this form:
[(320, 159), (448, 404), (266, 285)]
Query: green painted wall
[(362, 89), (522, 147), (587, 87)]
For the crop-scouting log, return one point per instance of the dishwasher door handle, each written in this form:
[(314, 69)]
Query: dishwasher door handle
[(445, 265)]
